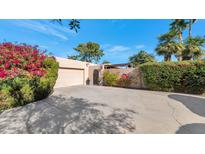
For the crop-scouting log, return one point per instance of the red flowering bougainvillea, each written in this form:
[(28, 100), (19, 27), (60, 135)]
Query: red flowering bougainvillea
[(124, 76), (16, 60), (26, 74), (124, 80)]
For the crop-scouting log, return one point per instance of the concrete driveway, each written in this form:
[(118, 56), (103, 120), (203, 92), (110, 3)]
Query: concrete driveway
[(93, 109)]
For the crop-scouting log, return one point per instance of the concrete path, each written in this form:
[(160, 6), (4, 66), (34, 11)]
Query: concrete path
[(90, 109)]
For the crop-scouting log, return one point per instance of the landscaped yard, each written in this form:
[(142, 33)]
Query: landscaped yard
[(38, 92), (94, 109)]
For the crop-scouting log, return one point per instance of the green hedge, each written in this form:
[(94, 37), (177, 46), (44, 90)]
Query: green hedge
[(185, 76), (109, 79), (25, 89)]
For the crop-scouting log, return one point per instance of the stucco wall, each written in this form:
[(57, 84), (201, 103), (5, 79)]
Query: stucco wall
[(91, 70), (69, 63), (134, 74), (73, 72)]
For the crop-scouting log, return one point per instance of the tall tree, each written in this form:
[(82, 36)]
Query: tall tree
[(168, 49), (89, 52), (194, 48), (140, 58), (168, 46), (179, 25)]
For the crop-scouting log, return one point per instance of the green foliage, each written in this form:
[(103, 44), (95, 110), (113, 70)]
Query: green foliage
[(109, 79), (89, 52), (74, 57), (178, 25), (168, 46), (194, 48), (185, 76), (123, 82), (171, 43), (73, 24), (25, 89), (106, 62), (140, 58), (45, 84)]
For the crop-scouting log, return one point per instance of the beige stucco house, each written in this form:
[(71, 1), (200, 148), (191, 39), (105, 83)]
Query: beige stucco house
[(74, 72)]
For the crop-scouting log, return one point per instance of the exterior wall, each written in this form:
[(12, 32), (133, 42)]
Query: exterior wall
[(91, 70), (134, 74), (73, 72)]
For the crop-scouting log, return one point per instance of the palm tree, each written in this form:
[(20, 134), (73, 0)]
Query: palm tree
[(194, 48), (163, 51), (179, 25), (168, 46), (168, 49), (140, 58), (190, 23)]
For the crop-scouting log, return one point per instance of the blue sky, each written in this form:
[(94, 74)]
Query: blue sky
[(118, 38)]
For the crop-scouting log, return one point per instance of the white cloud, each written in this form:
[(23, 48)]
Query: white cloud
[(43, 27), (117, 48), (140, 46), (43, 46)]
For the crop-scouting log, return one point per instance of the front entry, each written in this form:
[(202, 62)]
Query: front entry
[(96, 77)]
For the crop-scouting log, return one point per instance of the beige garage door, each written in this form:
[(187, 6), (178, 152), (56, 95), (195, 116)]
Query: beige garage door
[(69, 77)]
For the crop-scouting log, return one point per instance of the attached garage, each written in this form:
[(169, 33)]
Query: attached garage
[(70, 77), (74, 72), (71, 72)]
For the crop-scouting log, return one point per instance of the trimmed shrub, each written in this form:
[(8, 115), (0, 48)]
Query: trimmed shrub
[(109, 79), (185, 76), (116, 80), (26, 75)]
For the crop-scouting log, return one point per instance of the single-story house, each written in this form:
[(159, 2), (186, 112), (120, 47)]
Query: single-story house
[(74, 72)]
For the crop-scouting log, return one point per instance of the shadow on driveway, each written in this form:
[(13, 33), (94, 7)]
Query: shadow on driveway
[(58, 114), (195, 128), (195, 104)]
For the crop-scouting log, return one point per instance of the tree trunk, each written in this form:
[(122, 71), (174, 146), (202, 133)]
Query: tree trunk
[(180, 37), (167, 57), (190, 27), (179, 58)]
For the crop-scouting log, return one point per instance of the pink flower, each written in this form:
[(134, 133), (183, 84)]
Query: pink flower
[(125, 76), (3, 74), (7, 64), (35, 52), (18, 59)]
